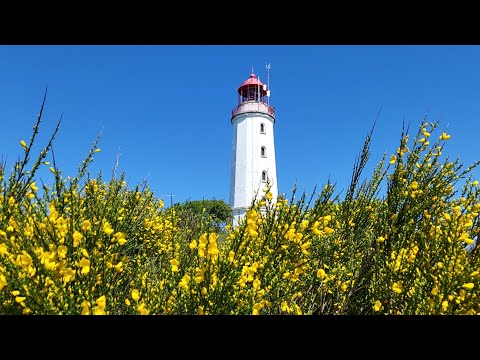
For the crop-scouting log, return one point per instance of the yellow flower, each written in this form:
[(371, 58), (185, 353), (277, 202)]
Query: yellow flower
[(86, 225), (231, 256), (193, 244), (3, 249), (321, 274), (97, 150), (315, 229), (468, 286), (19, 299), (25, 260), (85, 308), (24, 144), (184, 282), (98, 311), (397, 287), (107, 229), (304, 224), (256, 309), (120, 238), (119, 267), (252, 233), (174, 264), (85, 265), (328, 230), (33, 187), (269, 196), (252, 214), (77, 236), (380, 239), (444, 136), (127, 302), (445, 305), (393, 158), (142, 310), (377, 306), (3, 281), (199, 276), (62, 251), (69, 275), (52, 169), (135, 294), (200, 310), (101, 302)]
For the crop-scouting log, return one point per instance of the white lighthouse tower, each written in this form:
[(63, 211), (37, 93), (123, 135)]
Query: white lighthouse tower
[(253, 147)]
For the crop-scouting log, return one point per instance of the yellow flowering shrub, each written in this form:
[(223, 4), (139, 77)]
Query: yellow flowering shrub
[(91, 247)]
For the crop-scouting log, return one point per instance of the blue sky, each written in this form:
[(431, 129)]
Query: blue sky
[(164, 110)]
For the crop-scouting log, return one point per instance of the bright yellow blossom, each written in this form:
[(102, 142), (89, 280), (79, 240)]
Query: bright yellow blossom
[(85, 308), (397, 287), (77, 236), (256, 309), (142, 309), (86, 225), (135, 294), (85, 265), (174, 264), (62, 251), (120, 238), (468, 286), (3, 249), (445, 305), (444, 136), (321, 274), (107, 229)]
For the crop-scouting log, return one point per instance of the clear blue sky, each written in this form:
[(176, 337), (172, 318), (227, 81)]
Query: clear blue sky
[(165, 109)]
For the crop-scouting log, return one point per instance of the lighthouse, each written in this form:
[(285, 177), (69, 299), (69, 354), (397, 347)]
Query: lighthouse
[(253, 147)]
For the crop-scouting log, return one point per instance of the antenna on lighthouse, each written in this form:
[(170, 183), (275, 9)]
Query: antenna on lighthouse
[(268, 83)]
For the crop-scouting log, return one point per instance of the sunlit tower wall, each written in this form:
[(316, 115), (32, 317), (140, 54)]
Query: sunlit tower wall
[(253, 147)]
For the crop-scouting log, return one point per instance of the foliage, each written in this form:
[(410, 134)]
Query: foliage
[(217, 213), (87, 246)]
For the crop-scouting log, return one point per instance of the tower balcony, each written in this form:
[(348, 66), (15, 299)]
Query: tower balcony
[(253, 106)]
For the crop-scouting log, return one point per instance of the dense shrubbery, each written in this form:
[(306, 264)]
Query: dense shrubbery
[(86, 246)]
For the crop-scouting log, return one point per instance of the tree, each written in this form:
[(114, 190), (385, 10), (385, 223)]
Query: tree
[(216, 213)]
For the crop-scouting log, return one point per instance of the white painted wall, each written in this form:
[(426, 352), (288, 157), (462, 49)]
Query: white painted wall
[(247, 163)]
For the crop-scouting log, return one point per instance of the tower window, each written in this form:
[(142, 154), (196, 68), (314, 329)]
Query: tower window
[(262, 128), (263, 151), (264, 176)]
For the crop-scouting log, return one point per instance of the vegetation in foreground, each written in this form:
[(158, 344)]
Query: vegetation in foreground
[(89, 246)]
